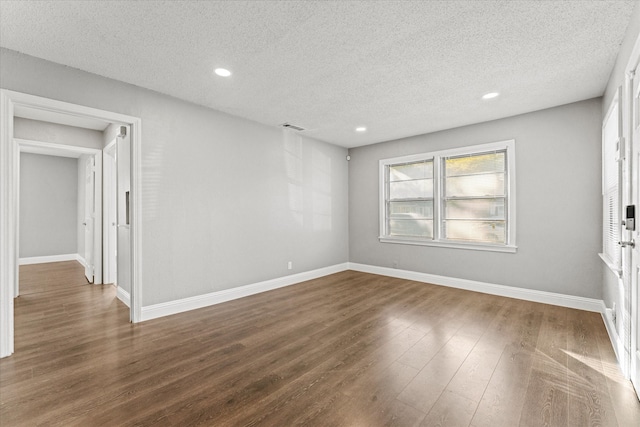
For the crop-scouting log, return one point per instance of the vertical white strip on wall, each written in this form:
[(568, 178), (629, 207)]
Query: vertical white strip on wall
[(8, 252)]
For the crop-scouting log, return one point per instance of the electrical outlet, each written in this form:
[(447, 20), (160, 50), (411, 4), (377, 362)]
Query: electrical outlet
[(290, 265)]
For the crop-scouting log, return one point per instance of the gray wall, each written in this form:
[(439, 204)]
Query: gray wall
[(225, 201), (36, 130), (48, 200), (557, 174)]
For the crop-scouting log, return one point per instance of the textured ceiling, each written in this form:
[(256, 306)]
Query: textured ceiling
[(398, 68)]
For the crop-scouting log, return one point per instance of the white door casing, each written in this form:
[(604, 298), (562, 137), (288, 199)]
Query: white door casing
[(9, 201), (633, 89)]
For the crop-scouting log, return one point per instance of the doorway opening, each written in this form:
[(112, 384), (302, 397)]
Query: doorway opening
[(48, 217), (15, 104)]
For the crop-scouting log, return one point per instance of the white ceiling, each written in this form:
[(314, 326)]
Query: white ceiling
[(398, 68)]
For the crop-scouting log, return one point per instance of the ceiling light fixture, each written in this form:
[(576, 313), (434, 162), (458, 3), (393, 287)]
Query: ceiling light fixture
[(490, 95), (222, 72), (361, 129)]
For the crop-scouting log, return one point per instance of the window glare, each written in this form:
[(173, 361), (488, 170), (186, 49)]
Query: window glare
[(475, 231), (479, 163), (418, 170)]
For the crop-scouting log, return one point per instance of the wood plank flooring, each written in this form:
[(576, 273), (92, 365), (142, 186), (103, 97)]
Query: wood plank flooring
[(350, 349)]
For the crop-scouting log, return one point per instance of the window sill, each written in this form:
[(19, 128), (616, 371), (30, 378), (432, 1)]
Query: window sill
[(452, 245), (614, 268)]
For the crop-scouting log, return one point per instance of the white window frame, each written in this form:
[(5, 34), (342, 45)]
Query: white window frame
[(437, 156), (613, 257)]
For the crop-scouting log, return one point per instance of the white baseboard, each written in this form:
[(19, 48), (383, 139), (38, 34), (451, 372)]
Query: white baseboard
[(200, 301), (570, 301), (48, 258), (81, 260), (616, 342), (123, 296)]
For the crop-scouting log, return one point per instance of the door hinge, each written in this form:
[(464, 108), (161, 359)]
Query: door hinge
[(621, 154)]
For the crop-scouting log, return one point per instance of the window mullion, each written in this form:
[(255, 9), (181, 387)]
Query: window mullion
[(387, 197), (507, 192), (437, 203)]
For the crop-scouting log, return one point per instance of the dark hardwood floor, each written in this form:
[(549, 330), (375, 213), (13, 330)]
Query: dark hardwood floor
[(350, 349)]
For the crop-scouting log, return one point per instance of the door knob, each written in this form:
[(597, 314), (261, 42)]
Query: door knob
[(630, 243)]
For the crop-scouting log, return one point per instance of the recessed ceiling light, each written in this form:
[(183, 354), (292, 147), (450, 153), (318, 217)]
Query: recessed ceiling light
[(490, 95), (222, 72), (361, 129)]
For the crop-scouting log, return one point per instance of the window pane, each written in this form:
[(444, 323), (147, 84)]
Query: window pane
[(421, 188), (475, 185), (411, 227), (411, 210), (419, 170), (464, 197), (474, 231), (481, 163), (475, 209)]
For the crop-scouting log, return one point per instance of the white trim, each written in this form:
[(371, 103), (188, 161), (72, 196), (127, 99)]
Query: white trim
[(81, 260), (8, 225), (135, 142), (16, 162), (110, 146), (448, 244), (53, 149), (179, 306), (123, 296), (200, 301), (108, 188), (616, 342), (562, 300), (632, 324), (49, 258), (97, 220), (40, 103), (614, 268), (9, 200)]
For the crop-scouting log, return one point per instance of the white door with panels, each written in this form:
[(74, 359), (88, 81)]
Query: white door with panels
[(110, 215), (89, 217)]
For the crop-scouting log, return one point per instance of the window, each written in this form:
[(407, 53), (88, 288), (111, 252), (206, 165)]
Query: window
[(610, 188), (463, 198)]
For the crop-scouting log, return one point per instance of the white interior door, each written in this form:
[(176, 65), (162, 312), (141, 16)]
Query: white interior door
[(89, 217), (123, 162), (634, 181), (110, 214)]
